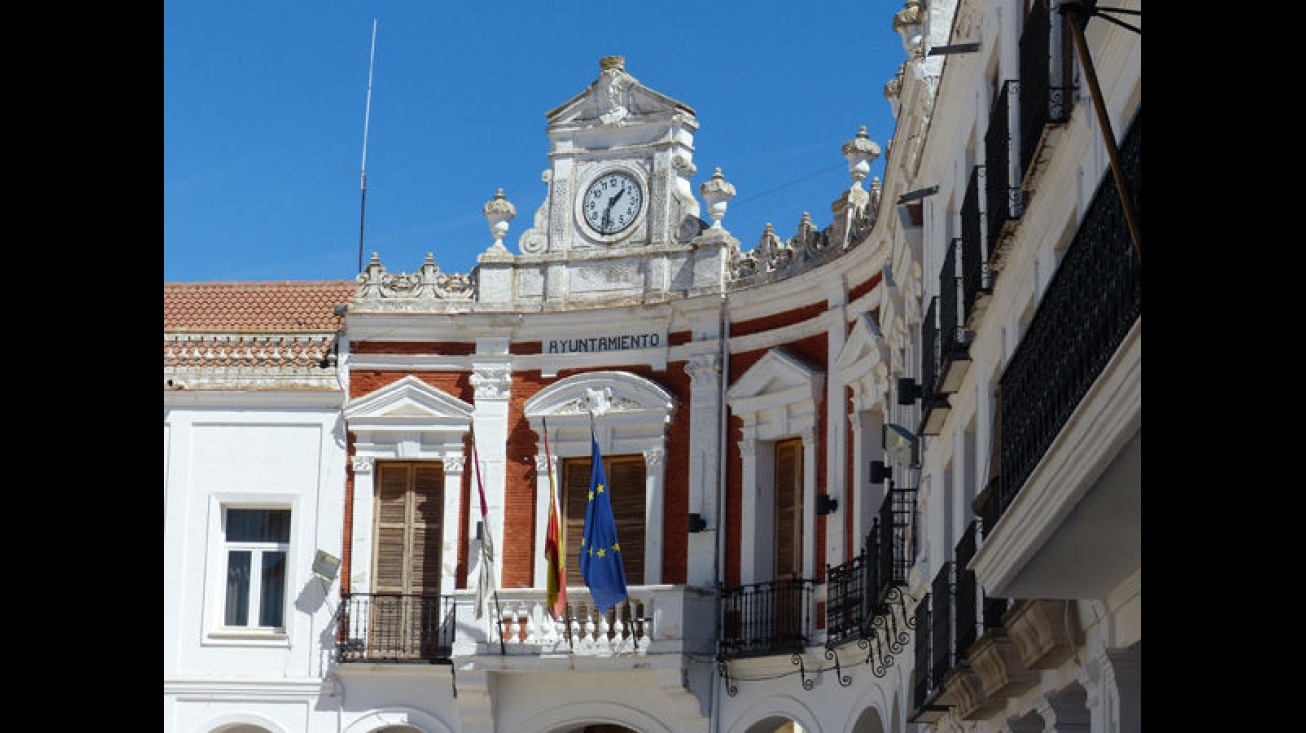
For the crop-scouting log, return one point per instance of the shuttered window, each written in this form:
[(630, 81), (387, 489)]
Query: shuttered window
[(626, 486), (788, 508), (409, 515)]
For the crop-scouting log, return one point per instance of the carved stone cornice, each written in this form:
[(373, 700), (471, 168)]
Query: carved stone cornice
[(382, 291), (1045, 631), (968, 697), (997, 663)]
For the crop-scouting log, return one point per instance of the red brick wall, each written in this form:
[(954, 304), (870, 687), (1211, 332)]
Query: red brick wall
[(444, 348)]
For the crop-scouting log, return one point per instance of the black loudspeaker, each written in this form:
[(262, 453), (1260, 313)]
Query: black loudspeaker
[(826, 504), (879, 472), (908, 391), (696, 522)]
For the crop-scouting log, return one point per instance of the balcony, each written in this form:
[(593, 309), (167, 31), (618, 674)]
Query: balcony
[(1004, 200), (1069, 418), (1045, 89), (945, 334), (375, 627), (764, 619), (964, 625), (653, 621), (866, 595)]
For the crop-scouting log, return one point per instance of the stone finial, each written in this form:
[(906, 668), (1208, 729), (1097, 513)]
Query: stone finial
[(499, 211), (717, 192), (608, 63), (909, 23), (860, 152)]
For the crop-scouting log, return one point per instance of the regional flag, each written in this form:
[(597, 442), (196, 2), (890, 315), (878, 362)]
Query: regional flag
[(600, 554), (553, 552)]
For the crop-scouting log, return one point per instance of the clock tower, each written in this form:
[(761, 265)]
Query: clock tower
[(619, 220)]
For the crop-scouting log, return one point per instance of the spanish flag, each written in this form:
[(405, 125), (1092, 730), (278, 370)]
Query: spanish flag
[(553, 552)]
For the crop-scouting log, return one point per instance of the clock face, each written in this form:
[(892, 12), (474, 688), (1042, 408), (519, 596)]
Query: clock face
[(612, 202)]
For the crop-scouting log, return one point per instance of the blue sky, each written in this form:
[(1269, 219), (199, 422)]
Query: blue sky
[(265, 103)]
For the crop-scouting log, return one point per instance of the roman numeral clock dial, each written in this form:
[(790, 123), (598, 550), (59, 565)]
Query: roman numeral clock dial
[(612, 202)]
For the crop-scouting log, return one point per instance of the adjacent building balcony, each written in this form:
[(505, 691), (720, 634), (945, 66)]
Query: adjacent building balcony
[(1070, 418)]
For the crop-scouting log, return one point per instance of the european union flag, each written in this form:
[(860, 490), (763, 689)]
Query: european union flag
[(600, 555)]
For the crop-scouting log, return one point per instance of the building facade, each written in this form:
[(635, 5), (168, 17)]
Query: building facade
[(883, 475)]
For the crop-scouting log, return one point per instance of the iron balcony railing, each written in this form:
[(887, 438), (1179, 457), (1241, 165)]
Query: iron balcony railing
[(976, 612), (1091, 303), (957, 614), (930, 352), (766, 618), (942, 650), (1003, 198), (1046, 68), (381, 627), (858, 591), (923, 687), (951, 338)]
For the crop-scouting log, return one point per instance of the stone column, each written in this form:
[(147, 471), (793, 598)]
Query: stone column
[(704, 371), (491, 378)]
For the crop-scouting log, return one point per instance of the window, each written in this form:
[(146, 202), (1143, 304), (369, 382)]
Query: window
[(257, 542), (626, 487), (405, 619)]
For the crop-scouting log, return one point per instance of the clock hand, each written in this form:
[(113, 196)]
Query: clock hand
[(607, 211)]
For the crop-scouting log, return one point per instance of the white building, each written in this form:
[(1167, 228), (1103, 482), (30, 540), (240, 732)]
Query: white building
[(880, 476)]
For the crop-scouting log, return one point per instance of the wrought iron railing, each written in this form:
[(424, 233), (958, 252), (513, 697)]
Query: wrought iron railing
[(930, 351), (1003, 197), (922, 677), (860, 593), (380, 627), (1091, 303), (976, 612), (949, 305), (1045, 78), (765, 618), (941, 615)]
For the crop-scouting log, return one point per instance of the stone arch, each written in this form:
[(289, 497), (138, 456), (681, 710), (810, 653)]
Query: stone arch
[(630, 414)]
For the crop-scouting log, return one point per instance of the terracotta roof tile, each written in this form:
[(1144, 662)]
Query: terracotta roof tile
[(255, 307)]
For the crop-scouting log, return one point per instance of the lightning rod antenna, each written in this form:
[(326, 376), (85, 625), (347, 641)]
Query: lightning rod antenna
[(367, 115)]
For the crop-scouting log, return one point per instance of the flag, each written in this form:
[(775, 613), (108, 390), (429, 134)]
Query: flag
[(553, 552), (485, 581), (600, 554)]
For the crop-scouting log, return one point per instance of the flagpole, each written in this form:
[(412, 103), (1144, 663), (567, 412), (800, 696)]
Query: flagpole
[(485, 557)]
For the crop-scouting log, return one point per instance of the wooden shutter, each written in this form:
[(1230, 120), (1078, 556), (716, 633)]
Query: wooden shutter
[(625, 476), (409, 518), (788, 508), (626, 490)]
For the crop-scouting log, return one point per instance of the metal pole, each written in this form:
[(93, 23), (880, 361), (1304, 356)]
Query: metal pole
[(1072, 11)]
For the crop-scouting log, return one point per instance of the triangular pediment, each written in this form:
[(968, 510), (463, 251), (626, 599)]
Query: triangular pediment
[(407, 403), (864, 349), (777, 378), (615, 97)]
